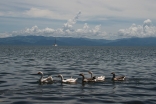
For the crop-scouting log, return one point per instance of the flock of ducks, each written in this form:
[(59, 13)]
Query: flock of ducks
[(49, 79)]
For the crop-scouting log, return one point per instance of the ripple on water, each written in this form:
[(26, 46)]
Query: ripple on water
[(20, 64)]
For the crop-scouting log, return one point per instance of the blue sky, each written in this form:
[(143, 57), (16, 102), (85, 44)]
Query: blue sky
[(98, 19)]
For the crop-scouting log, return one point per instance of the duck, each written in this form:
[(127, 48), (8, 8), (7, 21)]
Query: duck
[(119, 78), (101, 78), (69, 80), (49, 79), (93, 79)]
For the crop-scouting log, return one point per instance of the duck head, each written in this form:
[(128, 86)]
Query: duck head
[(112, 73), (94, 77), (59, 75), (89, 72), (81, 74), (40, 73)]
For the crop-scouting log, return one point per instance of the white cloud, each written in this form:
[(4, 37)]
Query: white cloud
[(68, 30), (63, 9), (35, 12), (4, 35), (42, 13), (71, 22), (1, 14), (145, 30), (147, 22), (111, 14)]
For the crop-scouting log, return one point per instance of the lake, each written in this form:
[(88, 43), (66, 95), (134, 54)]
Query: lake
[(19, 79)]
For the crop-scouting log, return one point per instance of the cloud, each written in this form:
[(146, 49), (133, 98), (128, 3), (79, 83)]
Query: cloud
[(1, 13), (4, 35), (108, 13), (41, 13), (68, 30), (145, 30), (147, 22), (34, 31), (62, 9), (35, 12), (71, 22)]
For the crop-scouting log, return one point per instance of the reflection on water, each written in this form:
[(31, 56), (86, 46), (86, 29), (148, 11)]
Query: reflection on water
[(19, 66)]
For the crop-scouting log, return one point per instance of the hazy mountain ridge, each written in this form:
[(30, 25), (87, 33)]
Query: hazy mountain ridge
[(69, 41)]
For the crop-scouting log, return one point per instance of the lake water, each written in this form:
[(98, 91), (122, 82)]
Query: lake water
[(19, 66)]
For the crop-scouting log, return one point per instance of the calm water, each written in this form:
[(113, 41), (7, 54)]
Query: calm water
[(19, 66)]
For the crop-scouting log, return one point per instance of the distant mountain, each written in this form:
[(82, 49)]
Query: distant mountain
[(150, 41), (41, 40), (69, 41)]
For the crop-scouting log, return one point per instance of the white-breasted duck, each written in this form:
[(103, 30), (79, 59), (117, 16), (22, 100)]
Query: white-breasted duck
[(101, 78), (49, 79), (69, 80)]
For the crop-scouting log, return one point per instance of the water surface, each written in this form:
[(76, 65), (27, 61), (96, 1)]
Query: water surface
[(19, 66)]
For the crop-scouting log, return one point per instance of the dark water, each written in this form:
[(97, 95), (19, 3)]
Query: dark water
[(19, 65)]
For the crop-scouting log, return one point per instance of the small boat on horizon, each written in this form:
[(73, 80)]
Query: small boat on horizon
[(55, 43)]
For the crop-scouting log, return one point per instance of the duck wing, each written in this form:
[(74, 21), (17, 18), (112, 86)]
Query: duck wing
[(92, 79), (70, 80), (120, 77), (101, 78), (49, 79), (46, 80)]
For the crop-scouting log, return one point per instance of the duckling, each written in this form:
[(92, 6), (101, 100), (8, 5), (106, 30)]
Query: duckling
[(101, 78), (69, 80), (93, 79), (119, 78), (49, 79)]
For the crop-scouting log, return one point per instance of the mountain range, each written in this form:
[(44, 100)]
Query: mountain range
[(69, 41)]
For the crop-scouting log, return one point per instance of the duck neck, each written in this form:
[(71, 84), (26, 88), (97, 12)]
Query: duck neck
[(83, 78), (113, 75), (61, 77), (41, 77), (91, 75)]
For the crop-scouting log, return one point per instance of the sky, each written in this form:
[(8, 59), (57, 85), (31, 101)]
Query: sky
[(95, 19)]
